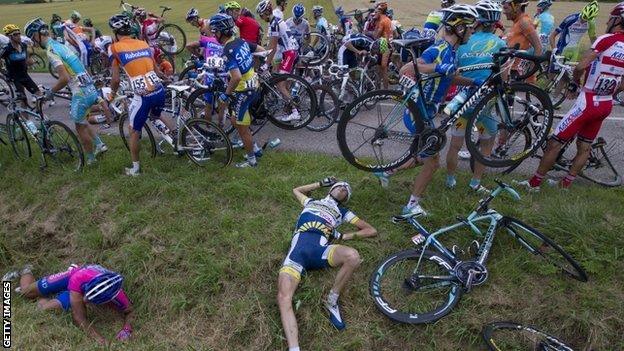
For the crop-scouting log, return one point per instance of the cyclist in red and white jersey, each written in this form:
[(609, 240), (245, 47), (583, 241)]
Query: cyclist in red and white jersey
[(149, 25), (603, 68)]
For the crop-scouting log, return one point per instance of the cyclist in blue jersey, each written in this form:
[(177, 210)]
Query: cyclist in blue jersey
[(322, 26), (312, 247), (72, 73), (458, 22), (572, 30), (345, 25), (478, 50), (353, 46), (544, 22)]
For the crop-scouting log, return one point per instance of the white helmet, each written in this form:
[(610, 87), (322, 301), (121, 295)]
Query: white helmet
[(489, 11), (459, 14), (264, 6), (346, 186)]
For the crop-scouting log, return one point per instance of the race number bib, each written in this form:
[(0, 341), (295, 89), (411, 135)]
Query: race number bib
[(252, 83), (214, 62), (406, 82), (144, 84), (606, 84)]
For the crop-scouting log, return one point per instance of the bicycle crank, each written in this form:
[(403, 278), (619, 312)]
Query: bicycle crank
[(429, 142), (471, 273)]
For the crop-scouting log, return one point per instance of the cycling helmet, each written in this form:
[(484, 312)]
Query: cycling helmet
[(346, 186), (390, 13), (120, 24), (447, 3), (590, 11), (56, 18), (87, 22), (317, 10), (618, 10), (489, 11), (103, 288), (140, 12), (522, 3), (10, 28), (459, 15), (34, 26), (382, 7), (232, 5), (339, 11), (544, 4), (298, 10), (192, 14), (222, 23), (264, 6), (75, 15)]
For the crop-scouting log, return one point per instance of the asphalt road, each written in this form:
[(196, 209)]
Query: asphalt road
[(325, 142)]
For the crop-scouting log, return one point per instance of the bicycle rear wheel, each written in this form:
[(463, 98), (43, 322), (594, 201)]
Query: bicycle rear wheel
[(540, 245), (147, 145), (599, 168), (379, 139), (558, 91), (407, 295), (503, 336), (63, 147), (525, 139), (328, 109), (279, 106), (171, 39), (507, 115), (205, 144), (18, 137), (317, 49)]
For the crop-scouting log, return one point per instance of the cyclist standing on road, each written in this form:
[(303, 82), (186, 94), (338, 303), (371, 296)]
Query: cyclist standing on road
[(602, 67), (248, 27), (322, 26), (298, 25), (544, 22), (522, 33), (572, 29), (72, 73), (383, 33), (16, 58), (310, 249), (73, 290)]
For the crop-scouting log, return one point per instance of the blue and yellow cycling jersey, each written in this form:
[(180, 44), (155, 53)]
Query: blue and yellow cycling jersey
[(545, 23), (59, 54), (478, 50), (238, 55), (441, 52), (323, 216)]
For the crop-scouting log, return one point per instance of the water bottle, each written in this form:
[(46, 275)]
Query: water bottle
[(32, 127), (273, 143), (457, 101)]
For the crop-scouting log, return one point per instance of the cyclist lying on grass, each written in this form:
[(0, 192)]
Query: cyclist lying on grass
[(310, 249), (73, 290)]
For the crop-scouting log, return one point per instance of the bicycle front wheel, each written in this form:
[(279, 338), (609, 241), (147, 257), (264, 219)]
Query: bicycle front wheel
[(328, 109), (599, 167), (316, 49), (505, 117), (379, 139), (557, 91), (205, 144), (171, 39), (63, 147), (285, 94), (147, 145), (507, 336), (540, 245), (18, 137), (6, 91), (409, 294)]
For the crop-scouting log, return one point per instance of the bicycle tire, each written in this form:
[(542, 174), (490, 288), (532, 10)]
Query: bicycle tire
[(599, 159), (526, 134), (6, 91), (556, 100), (170, 28), (271, 100), (39, 62), (540, 130), (321, 58), (491, 329), (16, 133), (123, 133), (539, 248), (395, 313), (65, 149), (201, 139), (328, 109), (380, 133)]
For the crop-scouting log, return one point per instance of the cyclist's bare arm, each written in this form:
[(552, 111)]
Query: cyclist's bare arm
[(461, 80), (552, 38), (273, 48), (301, 192), (79, 316), (353, 49), (63, 78), (365, 230), (531, 34), (115, 79), (127, 316), (193, 47), (587, 59)]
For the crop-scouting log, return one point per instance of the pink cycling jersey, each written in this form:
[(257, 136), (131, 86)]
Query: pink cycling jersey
[(210, 46)]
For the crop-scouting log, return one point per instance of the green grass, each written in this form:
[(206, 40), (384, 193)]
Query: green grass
[(200, 252)]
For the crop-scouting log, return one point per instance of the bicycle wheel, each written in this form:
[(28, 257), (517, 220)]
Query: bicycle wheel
[(520, 106), (540, 245), (62, 146), (171, 39), (316, 49), (408, 296), (346, 95), (39, 64), (6, 91), (327, 108), (280, 106), (503, 336), (205, 144), (599, 167), (380, 139), (557, 92), (18, 137), (147, 144), (525, 139)]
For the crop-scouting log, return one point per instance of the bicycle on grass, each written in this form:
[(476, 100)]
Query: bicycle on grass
[(502, 336), (423, 284), (512, 107)]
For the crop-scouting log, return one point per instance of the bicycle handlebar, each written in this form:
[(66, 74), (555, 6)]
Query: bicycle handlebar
[(507, 53)]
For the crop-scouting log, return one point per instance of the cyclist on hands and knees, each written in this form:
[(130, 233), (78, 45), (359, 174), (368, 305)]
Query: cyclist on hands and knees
[(248, 27), (17, 60), (457, 24), (310, 249), (298, 25), (242, 85), (322, 26), (572, 29), (282, 44), (544, 22), (75, 34), (479, 49), (135, 57), (72, 73), (383, 33), (73, 290), (602, 68), (522, 34)]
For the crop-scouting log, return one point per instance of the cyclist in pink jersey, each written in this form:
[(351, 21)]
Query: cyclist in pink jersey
[(602, 68), (73, 289)]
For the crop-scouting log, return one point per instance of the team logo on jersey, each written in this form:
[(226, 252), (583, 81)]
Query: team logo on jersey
[(133, 55)]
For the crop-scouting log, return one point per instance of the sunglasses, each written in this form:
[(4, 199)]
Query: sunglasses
[(16, 34)]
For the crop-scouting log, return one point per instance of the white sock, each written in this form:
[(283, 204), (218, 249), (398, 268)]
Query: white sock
[(251, 158), (135, 166), (413, 201), (296, 348), (332, 298)]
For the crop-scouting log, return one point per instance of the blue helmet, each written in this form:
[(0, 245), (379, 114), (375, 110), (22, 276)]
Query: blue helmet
[(339, 11), (298, 10), (222, 23), (103, 288), (544, 4), (34, 26)]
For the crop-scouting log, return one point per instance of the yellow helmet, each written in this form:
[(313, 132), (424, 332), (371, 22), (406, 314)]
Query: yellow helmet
[(10, 28), (590, 11)]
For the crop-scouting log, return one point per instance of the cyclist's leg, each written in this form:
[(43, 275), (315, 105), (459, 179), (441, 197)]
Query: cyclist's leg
[(79, 109), (348, 259), (46, 286), (286, 65), (383, 68), (241, 119), (457, 141), (138, 112)]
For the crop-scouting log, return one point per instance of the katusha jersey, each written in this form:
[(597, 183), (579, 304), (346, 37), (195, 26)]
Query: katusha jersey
[(604, 74), (135, 56)]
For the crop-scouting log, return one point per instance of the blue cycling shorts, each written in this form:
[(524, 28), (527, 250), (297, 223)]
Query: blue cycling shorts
[(240, 106), (143, 107), (308, 251), (56, 284)]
